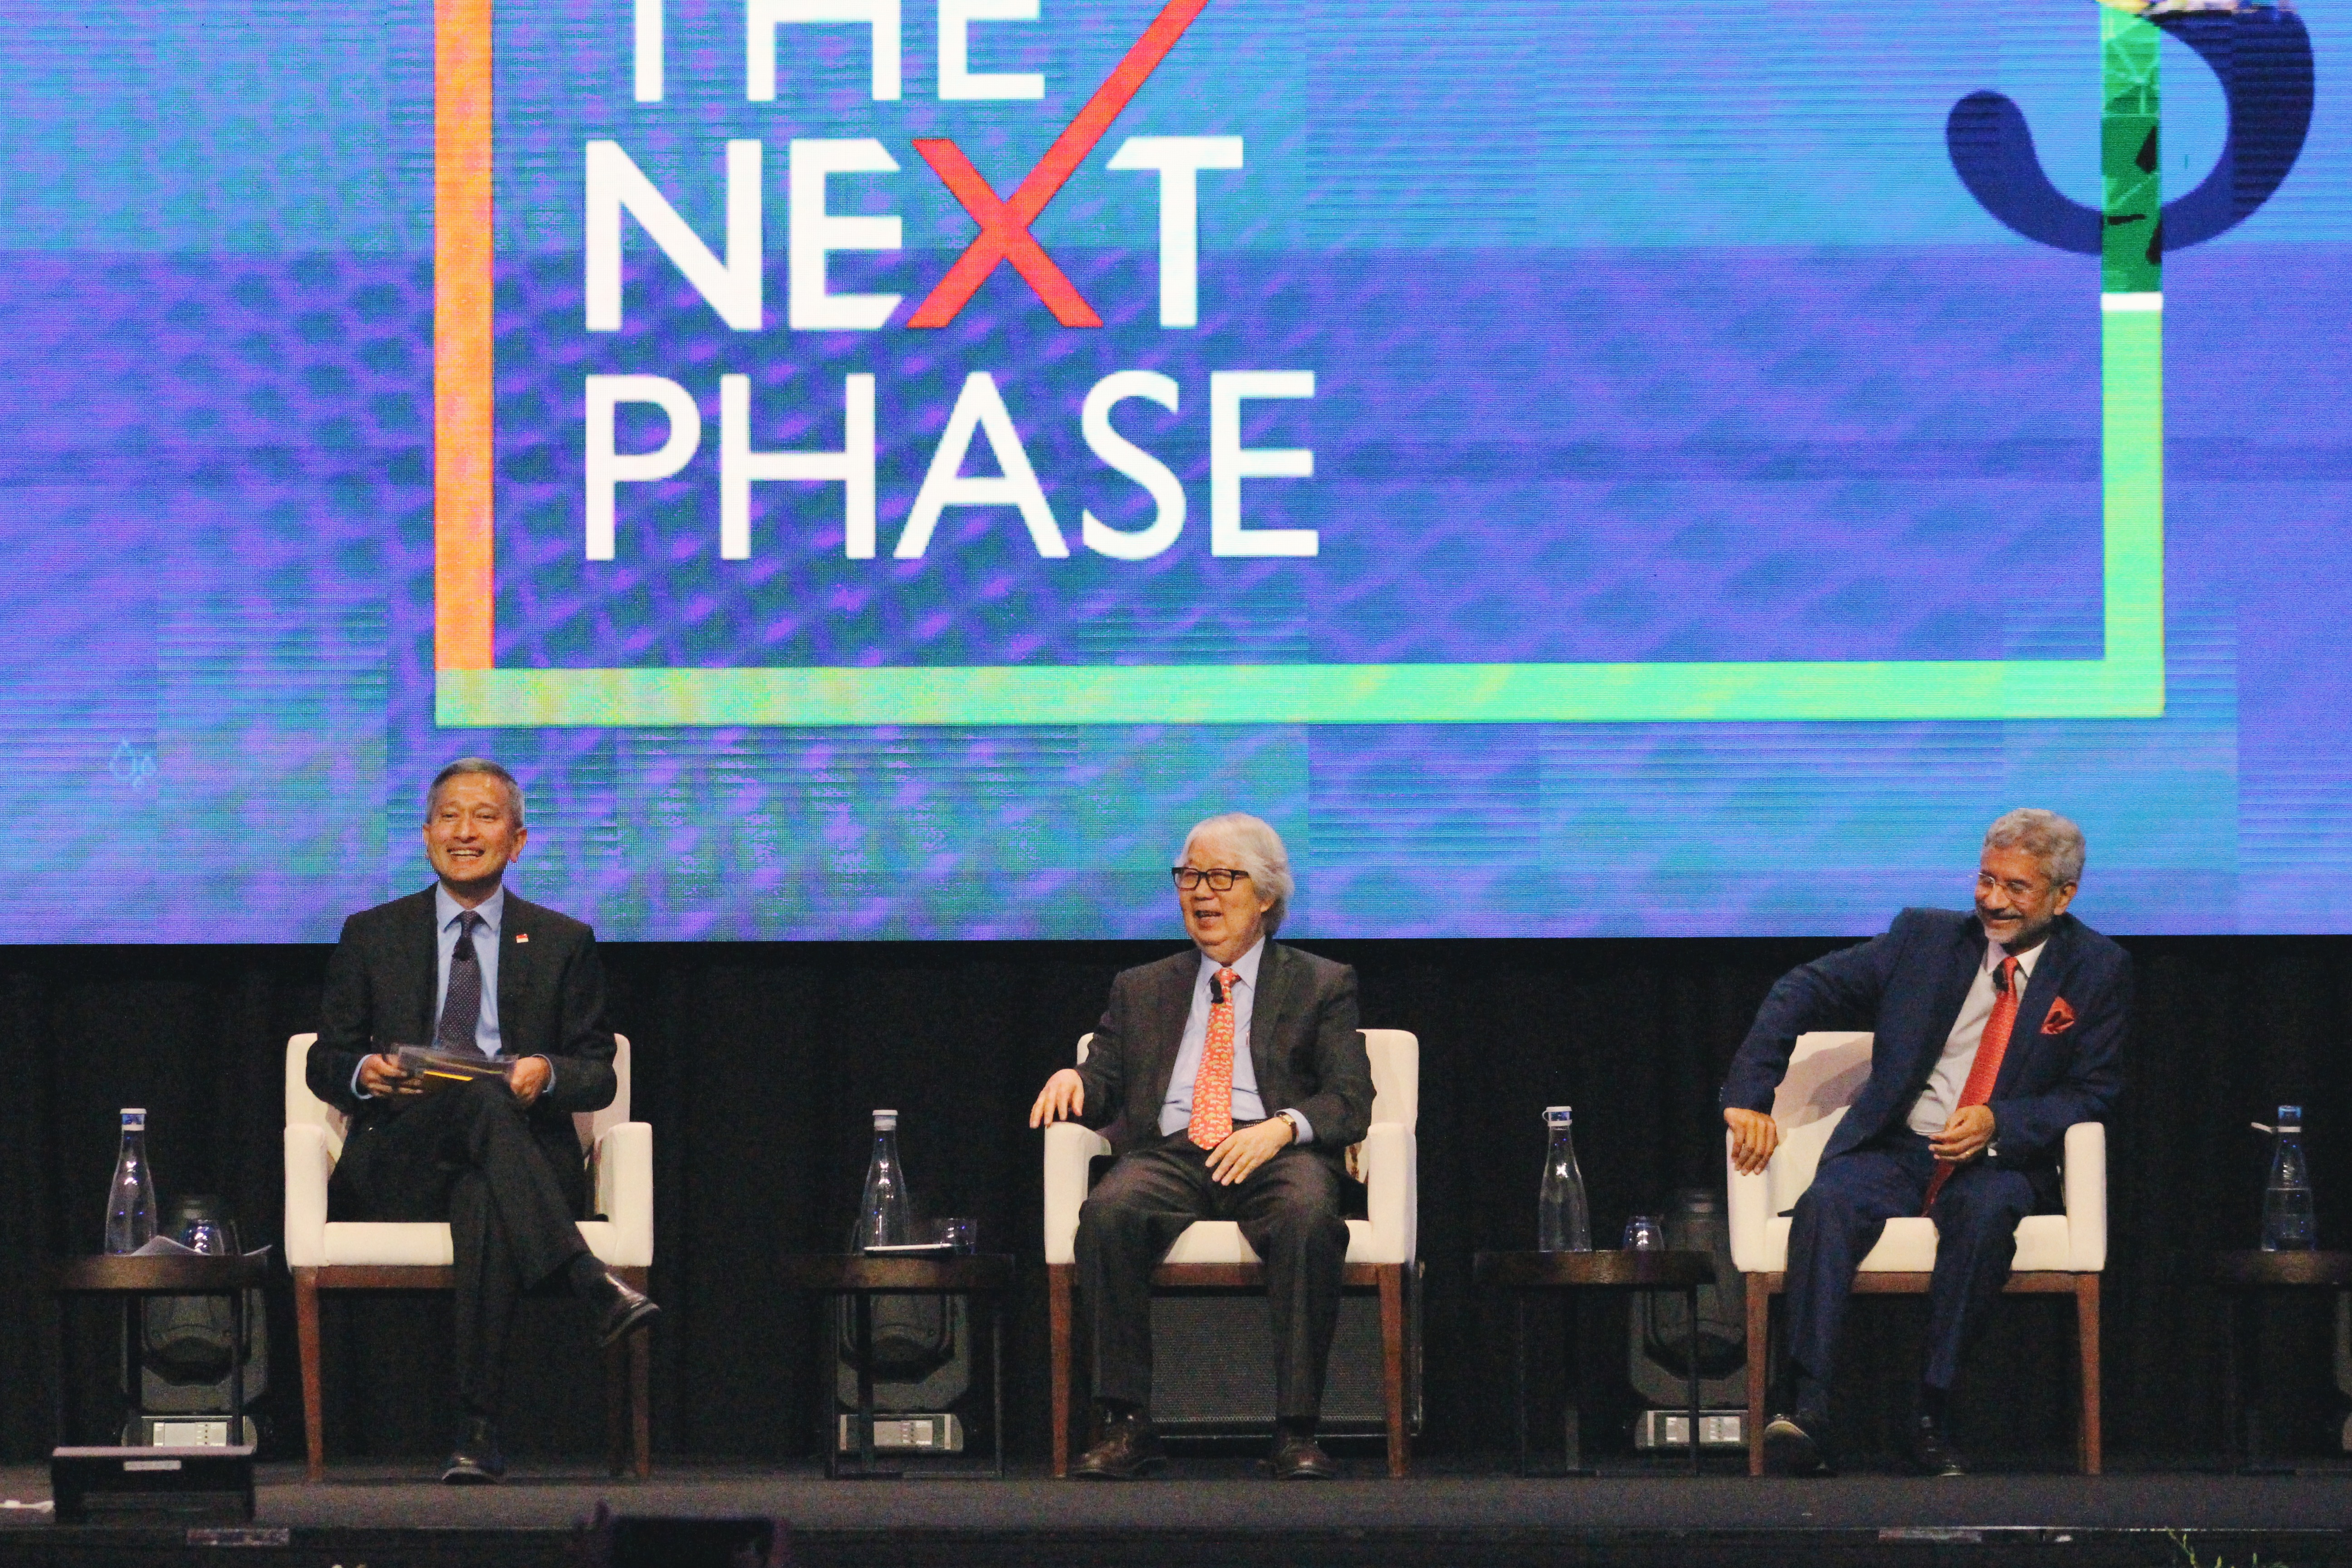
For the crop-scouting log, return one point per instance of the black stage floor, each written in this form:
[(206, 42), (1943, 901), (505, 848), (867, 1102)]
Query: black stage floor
[(1218, 1513)]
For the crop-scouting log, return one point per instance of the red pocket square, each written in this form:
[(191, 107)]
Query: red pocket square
[(2061, 1018)]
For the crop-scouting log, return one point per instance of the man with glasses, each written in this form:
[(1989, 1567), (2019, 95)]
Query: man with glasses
[(1996, 1032), (1233, 1079)]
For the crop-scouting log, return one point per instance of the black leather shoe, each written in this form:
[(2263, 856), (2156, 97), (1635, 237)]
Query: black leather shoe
[(1297, 1456), (1796, 1446), (624, 1310), (1129, 1449), (1930, 1449), (477, 1461)]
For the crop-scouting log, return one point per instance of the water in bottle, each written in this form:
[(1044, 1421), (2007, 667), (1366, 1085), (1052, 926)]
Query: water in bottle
[(1563, 1222), (131, 1203), (2287, 1220), (884, 1215)]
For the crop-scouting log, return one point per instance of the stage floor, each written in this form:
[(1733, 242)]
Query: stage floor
[(1218, 1511)]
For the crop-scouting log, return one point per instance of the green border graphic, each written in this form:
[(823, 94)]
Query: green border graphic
[(2127, 682)]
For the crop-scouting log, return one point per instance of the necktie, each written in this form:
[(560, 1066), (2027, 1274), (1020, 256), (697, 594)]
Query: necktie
[(1212, 1086), (1987, 1066), (461, 1010)]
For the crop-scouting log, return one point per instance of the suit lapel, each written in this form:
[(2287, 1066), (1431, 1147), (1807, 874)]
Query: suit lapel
[(514, 971), (1170, 1008), (1965, 957), (1274, 976), (419, 956), (2045, 985)]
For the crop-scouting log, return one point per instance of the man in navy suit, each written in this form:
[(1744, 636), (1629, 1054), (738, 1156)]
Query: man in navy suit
[(468, 967), (1996, 1032)]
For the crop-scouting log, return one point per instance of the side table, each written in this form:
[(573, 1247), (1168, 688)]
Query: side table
[(861, 1279), (2241, 1274), (134, 1279), (1527, 1273)]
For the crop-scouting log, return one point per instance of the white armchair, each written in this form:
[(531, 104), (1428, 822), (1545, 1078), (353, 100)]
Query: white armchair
[(345, 1256), (2061, 1253), (1213, 1253)]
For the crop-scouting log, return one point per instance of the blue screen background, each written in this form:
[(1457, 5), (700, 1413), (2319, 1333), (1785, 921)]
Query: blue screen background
[(1662, 332)]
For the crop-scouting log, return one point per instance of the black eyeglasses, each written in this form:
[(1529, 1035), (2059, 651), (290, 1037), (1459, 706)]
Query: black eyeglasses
[(1221, 878)]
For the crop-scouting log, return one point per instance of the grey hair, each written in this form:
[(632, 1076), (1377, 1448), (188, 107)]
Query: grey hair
[(2049, 837), (1259, 848), (483, 767)]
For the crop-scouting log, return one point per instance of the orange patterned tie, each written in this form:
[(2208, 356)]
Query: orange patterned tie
[(1212, 1086), (1987, 1066)]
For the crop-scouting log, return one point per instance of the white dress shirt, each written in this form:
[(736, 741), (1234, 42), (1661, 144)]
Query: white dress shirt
[(1176, 1110), (1937, 1104)]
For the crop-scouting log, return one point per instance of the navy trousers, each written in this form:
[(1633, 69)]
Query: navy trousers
[(1843, 1213), (468, 1155)]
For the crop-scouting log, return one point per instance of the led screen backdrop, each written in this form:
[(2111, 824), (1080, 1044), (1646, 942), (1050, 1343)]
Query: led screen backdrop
[(883, 468)]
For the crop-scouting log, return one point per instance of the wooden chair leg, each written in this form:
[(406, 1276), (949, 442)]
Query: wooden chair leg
[(2086, 1331), (641, 1402), (1760, 1346), (628, 1395), (617, 1444), (1392, 1330), (1059, 1277), (305, 1337)]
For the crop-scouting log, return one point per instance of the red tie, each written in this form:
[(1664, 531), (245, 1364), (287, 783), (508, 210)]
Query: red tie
[(1212, 1086), (1987, 1066)]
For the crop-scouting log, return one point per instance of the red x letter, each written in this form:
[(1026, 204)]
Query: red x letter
[(1004, 224)]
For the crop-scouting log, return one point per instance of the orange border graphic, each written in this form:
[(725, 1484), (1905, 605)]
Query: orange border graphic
[(462, 302)]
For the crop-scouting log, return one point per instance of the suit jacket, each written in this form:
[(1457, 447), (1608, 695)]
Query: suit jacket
[(1304, 1046), (1907, 985), (379, 993)]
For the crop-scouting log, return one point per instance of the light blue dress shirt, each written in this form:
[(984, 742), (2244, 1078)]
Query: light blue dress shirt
[(1176, 1111)]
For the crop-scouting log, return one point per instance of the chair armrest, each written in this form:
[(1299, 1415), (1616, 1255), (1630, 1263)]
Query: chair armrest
[(1068, 1148), (2086, 1197), (1752, 1213), (620, 1174), (310, 1162), (1391, 1161)]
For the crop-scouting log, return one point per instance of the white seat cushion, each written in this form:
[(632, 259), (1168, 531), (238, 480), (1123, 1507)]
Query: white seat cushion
[(1908, 1246)]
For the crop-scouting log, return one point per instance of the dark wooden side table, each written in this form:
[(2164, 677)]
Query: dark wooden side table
[(2242, 1275), (861, 1279), (134, 1279), (1527, 1273)]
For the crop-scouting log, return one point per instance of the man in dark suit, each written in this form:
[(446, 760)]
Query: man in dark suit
[(1234, 1079), (1996, 1032), (467, 967)]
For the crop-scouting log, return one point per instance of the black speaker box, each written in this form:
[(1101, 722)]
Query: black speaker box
[(1212, 1367), (143, 1486)]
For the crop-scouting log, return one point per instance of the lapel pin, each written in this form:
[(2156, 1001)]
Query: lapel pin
[(522, 936)]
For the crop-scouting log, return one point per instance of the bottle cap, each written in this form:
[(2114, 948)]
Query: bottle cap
[(2290, 1116), (1558, 1115), (885, 1121), (134, 1118)]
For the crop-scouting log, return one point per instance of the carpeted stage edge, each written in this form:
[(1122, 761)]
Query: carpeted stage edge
[(1216, 1512)]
